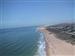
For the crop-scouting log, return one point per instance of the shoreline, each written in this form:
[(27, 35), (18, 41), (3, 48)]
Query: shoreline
[(46, 44), (56, 47)]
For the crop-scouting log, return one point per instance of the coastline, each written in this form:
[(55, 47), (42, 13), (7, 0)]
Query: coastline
[(56, 47), (41, 46)]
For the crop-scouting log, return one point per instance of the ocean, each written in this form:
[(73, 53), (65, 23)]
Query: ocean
[(22, 41)]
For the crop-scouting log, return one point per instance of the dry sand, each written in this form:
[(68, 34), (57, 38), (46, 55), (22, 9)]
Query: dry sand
[(57, 47)]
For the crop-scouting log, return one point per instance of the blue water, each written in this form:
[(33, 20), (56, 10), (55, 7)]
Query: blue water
[(21, 41)]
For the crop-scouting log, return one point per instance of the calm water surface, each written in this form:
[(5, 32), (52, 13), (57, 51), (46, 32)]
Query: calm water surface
[(19, 41)]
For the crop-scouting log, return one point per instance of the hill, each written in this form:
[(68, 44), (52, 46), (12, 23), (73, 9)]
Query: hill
[(64, 31)]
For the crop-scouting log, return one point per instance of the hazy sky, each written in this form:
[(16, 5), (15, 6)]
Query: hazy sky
[(17, 13)]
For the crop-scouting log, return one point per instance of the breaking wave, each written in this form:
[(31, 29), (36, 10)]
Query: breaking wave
[(41, 46)]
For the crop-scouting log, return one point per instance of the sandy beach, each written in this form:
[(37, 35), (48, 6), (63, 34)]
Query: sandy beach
[(57, 47)]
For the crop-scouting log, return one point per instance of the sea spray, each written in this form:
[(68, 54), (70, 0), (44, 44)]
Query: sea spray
[(41, 46)]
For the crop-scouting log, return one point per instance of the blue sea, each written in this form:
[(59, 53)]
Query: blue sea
[(22, 41)]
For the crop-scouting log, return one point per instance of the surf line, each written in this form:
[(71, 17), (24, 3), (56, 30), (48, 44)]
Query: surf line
[(41, 46)]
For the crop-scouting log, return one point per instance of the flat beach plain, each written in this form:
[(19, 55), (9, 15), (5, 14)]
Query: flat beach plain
[(56, 46)]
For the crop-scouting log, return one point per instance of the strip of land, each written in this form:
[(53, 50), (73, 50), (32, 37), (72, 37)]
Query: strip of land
[(55, 46)]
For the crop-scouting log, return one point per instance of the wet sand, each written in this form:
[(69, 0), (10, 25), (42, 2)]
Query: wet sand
[(55, 46)]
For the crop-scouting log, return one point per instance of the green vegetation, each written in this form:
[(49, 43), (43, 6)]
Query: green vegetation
[(65, 31)]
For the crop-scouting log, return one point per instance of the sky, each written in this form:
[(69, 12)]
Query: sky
[(19, 13)]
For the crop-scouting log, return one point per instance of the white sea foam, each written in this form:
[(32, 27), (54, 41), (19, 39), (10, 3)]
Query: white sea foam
[(41, 46)]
